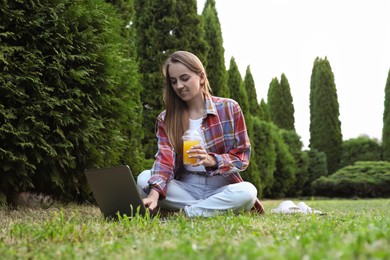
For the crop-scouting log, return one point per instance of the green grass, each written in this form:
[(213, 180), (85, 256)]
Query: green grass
[(352, 229)]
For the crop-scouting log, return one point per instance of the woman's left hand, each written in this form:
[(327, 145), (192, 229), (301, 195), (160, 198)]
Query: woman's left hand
[(204, 158)]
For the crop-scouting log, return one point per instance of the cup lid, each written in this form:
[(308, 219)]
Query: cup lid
[(191, 134)]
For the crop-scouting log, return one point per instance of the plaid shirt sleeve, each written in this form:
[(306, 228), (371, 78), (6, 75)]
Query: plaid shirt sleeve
[(227, 139), (164, 164)]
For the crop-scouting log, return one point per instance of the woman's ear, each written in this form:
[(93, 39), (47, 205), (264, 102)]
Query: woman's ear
[(202, 78)]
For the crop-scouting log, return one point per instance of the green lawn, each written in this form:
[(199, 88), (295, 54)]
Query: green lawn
[(352, 229)]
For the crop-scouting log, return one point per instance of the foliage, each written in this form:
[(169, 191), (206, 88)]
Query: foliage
[(215, 60), (249, 83), (280, 103), (273, 101), (69, 96), (363, 179), (264, 111), (353, 229), (286, 169), (294, 144), (360, 149), (386, 122), (237, 87), (316, 168), (154, 23), (325, 126), (263, 143), (238, 93), (162, 27)]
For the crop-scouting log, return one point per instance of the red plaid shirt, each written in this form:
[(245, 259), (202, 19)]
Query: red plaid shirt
[(225, 137)]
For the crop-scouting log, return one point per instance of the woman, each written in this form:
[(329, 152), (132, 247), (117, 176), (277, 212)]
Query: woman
[(213, 184)]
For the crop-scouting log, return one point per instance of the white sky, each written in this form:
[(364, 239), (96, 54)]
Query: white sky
[(285, 36)]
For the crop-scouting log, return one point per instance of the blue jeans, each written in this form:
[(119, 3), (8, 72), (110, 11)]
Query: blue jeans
[(201, 195)]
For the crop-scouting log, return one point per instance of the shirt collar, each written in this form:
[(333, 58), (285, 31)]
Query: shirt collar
[(209, 106)]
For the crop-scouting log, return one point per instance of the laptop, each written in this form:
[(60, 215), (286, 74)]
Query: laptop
[(115, 191)]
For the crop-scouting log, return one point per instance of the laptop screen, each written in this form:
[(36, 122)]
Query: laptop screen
[(115, 191)]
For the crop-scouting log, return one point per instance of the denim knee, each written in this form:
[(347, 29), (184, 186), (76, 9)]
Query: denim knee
[(143, 178), (248, 193)]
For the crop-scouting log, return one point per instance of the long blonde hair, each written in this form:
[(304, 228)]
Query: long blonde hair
[(177, 119)]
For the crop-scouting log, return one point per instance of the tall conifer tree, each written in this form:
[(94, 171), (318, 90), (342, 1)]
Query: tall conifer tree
[(238, 93), (325, 126), (386, 122), (236, 86), (250, 88), (215, 61), (281, 104), (162, 27), (189, 31), (274, 102), (69, 95), (288, 106), (264, 111)]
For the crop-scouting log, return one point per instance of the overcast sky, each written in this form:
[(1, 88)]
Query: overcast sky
[(285, 36)]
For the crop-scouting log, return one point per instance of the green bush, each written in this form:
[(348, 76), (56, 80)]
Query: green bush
[(317, 167), (360, 149), (69, 97), (286, 168), (294, 144), (263, 145), (363, 179)]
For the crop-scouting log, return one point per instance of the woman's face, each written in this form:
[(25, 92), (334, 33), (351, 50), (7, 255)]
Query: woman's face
[(186, 83)]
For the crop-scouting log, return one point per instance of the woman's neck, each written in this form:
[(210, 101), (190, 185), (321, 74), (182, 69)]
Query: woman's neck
[(196, 107)]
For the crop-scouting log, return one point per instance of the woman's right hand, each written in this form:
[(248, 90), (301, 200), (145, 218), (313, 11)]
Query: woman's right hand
[(151, 201)]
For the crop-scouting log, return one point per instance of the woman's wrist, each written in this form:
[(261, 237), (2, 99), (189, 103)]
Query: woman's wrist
[(153, 194)]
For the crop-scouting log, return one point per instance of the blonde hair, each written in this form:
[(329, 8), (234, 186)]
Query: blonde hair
[(177, 119)]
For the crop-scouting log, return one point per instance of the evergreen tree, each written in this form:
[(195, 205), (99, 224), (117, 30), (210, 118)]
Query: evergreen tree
[(189, 30), (280, 103), (238, 92), (154, 23), (316, 168), (236, 87), (286, 168), (273, 101), (287, 104), (325, 126), (162, 27), (264, 111), (386, 122), (294, 144), (69, 95), (250, 88), (126, 11), (361, 148), (263, 143), (215, 61)]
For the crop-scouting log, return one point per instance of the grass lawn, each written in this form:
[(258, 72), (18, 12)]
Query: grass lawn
[(352, 229)]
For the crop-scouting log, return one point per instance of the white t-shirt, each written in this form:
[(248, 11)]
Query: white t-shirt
[(195, 125)]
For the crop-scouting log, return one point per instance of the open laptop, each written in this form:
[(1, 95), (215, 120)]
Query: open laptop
[(115, 191)]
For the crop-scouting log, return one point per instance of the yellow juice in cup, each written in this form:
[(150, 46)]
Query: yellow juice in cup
[(187, 144)]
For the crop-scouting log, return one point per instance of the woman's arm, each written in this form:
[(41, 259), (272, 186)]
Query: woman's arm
[(236, 156), (163, 167)]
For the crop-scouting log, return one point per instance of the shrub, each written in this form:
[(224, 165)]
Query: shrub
[(294, 144), (316, 168), (360, 149), (69, 96), (263, 144), (363, 179), (286, 168)]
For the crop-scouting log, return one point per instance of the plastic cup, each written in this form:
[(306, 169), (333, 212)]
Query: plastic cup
[(190, 138)]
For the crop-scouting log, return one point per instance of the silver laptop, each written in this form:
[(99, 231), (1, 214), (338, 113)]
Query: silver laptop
[(115, 191)]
